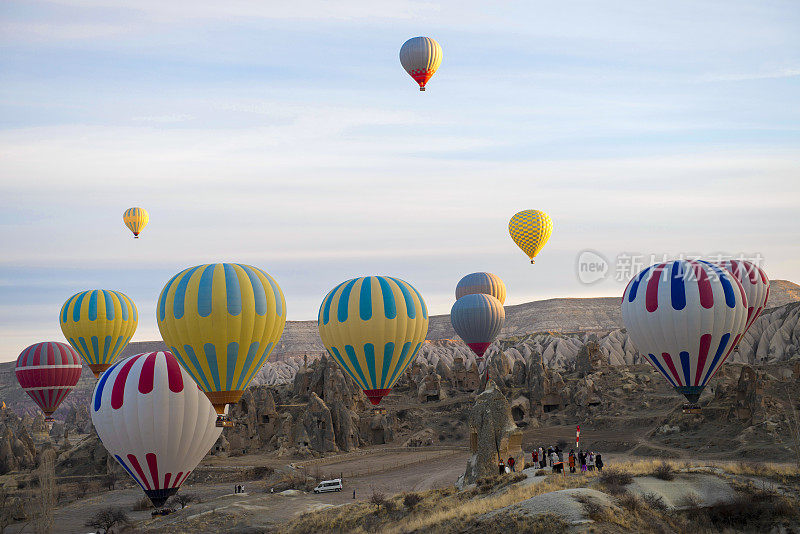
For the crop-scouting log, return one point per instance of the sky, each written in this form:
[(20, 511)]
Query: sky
[(286, 135)]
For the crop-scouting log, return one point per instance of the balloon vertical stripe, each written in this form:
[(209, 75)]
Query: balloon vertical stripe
[(99, 324), (222, 321), (364, 328)]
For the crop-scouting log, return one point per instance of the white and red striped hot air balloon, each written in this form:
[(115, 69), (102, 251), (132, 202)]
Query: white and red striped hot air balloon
[(755, 284), (152, 417), (421, 57), (685, 318), (47, 372)]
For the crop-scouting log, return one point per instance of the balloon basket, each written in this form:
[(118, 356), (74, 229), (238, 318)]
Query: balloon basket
[(223, 421), (690, 408)]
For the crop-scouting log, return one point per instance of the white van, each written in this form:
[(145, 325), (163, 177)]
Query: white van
[(329, 485)]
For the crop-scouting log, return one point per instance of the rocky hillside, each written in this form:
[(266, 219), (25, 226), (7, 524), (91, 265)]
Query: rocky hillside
[(555, 328)]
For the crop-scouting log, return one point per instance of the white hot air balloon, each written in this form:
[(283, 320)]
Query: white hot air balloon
[(152, 417), (421, 57), (685, 318), (755, 284)]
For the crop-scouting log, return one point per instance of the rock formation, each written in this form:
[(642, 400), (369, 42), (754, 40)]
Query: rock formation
[(17, 450), (749, 404), (493, 436)]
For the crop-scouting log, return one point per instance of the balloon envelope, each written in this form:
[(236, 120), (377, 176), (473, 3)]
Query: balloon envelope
[(47, 372), (685, 318), (373, 327), (755, 284), (221, 321), (486, 283), (530, 230), (99, 324), (478, 320), (154, 420), (421, 57), (136, 219)]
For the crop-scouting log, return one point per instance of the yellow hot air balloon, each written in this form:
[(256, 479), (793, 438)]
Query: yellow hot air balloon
[(99, 324), (530, 230), (136, 219), (221, 321), (373, 327)]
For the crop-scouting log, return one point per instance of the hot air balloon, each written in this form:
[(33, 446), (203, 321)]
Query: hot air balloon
[(530, 230), (755, 284), (99, 323), (478, 319), (221, 321), (154, 420), (685, 317), (373, 327), (421, 57), (136, 219), (47, 372), (486, 283)]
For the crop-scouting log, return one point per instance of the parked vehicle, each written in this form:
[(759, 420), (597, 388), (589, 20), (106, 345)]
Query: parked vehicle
[(329, 485)]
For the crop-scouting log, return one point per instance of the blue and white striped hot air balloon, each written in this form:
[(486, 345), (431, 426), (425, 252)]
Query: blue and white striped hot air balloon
[(685, 318)]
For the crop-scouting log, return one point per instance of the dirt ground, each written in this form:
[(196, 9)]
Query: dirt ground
[(387, 471)]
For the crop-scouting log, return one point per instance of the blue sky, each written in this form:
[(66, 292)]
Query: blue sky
[(286, 135)]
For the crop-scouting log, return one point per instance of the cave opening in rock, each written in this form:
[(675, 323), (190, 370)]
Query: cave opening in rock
[(517, 414), (550, 407)]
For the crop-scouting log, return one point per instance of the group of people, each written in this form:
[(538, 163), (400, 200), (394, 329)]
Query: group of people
[(554, 457)]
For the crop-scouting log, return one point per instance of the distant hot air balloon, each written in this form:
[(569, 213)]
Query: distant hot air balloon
[(685, 318), (530, 230), (99, 324), (47, 372), (136, 219), (373, 327), (755, 284), (478, 319), (421, 57), (486, 283), (154, 420), (221, 321)]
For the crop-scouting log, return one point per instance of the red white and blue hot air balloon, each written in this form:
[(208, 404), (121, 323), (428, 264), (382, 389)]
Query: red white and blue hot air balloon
[(47, 372), (685, 318), (477, 318), (755, 284), (152, 417)]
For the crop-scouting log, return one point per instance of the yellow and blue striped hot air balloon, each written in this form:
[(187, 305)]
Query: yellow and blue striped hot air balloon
[(373, 327), (221, 321), (530, 230), (99, 323), (136, 219)]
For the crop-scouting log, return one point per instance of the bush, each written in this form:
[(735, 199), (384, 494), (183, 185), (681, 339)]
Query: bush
[(629, 501), (108, 518), (140, 505), (753, 512), (664, 471), (654, 501), (184, 499), (411, 500), (378, 499)]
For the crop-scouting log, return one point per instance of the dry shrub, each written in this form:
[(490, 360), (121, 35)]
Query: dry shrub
[(654, 501), (615, 481), (142, 504), (411, 500), (664, 471), (759, 511)]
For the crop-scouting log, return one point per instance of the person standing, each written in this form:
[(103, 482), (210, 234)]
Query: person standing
[(582, 460), (590, 462), (571, 461), (598, 461), (501, 467), (541, 458), (535, 456), (511, 463)]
